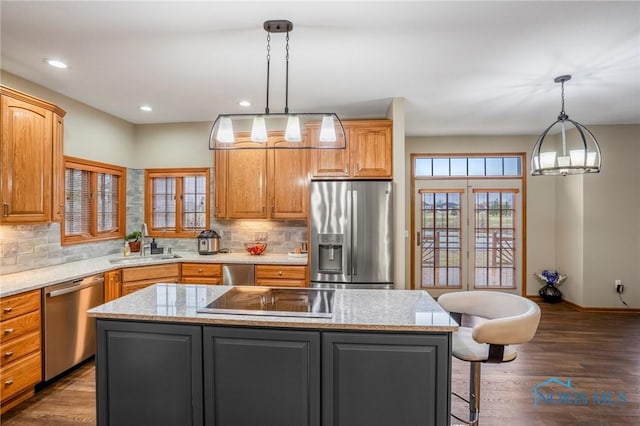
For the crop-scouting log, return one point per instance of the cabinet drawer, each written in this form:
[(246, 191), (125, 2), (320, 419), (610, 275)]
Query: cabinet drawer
[(274, 282), (13, 306), (201, 270), (20, 326), (19, 347), (132, 286), (20, 375), (201, 280), (280, 272), (149, 272)]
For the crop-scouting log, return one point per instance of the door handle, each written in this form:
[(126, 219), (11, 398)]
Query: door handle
[(354, 259), (8, 331), (8, 309), (5, 209), (418, 238), (8, 354)]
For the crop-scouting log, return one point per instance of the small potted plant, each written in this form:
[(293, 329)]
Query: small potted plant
[(134, 240), (552, 279)]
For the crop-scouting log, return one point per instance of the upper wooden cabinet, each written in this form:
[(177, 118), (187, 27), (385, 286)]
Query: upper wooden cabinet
[(32, 177), (262, 183), (368, 154)]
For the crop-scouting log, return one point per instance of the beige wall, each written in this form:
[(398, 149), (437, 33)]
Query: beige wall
[(173, 145), (611, 209), (540, 201), (88, 133), (569, 236)]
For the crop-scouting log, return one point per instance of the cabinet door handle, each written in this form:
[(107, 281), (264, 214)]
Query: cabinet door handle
[(8, 331), (280, 273), (5, 209), (8, 354), (200, 270), (8, 382), (8, 309)]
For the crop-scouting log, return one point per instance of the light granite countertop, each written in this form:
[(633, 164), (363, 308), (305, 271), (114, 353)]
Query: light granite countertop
[(373, 310), (42, 277)]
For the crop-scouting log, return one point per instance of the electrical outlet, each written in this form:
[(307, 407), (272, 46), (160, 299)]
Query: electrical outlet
[(619, 288)]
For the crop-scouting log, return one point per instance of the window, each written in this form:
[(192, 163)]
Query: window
[(177, 201), (426, 167), (94, 207)]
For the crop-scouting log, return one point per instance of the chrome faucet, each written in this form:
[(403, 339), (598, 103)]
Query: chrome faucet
[(145, 247)]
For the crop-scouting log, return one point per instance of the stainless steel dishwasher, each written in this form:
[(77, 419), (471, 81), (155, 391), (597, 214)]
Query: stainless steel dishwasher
[(238, 274), (69, 335)]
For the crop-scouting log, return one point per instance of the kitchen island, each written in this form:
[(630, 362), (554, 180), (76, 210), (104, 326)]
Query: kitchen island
[(382, 358)]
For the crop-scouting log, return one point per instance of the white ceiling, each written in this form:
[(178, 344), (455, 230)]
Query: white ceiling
[(462, 67)]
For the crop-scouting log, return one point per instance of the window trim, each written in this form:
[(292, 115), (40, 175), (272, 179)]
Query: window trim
[(178, 173), (95, 167)]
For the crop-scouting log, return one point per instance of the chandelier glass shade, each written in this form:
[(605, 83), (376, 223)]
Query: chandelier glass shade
[(566, 147), (277, 130)]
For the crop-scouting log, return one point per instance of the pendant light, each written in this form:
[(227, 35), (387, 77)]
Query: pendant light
[(297, 130), (566, 147)]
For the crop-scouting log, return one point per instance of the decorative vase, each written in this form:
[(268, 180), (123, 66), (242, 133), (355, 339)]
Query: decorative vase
[(550, 294)]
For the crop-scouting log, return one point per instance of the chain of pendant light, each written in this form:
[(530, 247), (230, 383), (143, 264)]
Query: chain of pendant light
[(562, 115)]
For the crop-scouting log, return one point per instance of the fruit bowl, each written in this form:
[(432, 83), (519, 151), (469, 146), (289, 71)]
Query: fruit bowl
[(255, 249)]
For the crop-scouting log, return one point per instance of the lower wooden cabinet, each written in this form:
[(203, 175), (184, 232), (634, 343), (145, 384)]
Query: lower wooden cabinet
[(112, 285), (281, 275), (143, 276), (149, 374), (21, 359), (261, 377), (201, 273)]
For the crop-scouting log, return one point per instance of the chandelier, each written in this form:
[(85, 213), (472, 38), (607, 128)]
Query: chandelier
[(277, 130), (574, 151)]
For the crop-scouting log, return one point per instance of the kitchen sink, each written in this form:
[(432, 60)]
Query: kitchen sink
[(143, 259), (273, 301)]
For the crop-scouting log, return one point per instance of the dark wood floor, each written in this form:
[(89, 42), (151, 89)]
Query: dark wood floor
[(598, 352)]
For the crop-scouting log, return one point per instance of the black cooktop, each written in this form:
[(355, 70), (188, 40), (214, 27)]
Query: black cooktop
[(275, 301)]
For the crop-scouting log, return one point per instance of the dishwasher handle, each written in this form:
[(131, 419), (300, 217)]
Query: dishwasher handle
[(77, 285)]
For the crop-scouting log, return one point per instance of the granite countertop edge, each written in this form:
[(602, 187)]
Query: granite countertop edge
[(353, 309), (35, 279)]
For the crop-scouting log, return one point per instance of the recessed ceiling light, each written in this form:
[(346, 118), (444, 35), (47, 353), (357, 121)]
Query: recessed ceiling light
[(244, 103), (145, 108), (56, 63)]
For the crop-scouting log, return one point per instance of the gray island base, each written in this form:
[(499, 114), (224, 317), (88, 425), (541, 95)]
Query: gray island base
[(383, 358)]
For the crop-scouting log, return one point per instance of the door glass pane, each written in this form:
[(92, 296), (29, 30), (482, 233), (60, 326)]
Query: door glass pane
[(441, 235), (495, 239)]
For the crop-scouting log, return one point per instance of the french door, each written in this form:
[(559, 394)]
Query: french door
[(468, 235)]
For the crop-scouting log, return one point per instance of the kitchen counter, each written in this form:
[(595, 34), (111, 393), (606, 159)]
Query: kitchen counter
[(378, 310), (161, 362), (42, 277)]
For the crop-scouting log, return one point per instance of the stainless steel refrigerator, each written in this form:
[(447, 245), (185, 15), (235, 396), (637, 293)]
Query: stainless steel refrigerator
[(351, 234)]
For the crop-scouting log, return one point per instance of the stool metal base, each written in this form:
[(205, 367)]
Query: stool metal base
[(474, 395)]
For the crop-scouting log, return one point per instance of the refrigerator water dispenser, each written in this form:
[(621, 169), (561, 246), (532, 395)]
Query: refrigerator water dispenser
[(330, 253)]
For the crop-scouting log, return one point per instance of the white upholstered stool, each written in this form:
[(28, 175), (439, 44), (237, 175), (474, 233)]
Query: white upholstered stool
[(507, 320)]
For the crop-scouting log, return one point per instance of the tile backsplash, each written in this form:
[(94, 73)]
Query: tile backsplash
[(25, 247)]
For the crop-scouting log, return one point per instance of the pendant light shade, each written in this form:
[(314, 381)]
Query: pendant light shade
[(566, 147), (259, 130), (269, 130), (292, 132)]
